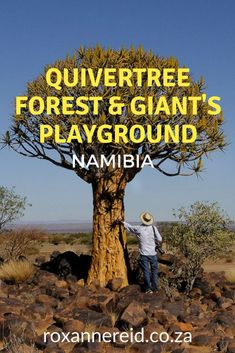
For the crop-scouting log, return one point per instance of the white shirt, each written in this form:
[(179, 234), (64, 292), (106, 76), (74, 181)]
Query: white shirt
[(147, 238)]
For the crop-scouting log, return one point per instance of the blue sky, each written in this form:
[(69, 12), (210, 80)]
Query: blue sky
[(200, 34)]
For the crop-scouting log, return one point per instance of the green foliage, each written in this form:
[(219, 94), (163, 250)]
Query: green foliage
[(70, 238), (12, 206), (201, 233), (86, 238), (132, 240)]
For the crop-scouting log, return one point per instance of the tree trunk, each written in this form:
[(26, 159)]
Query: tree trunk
[(109, 236)]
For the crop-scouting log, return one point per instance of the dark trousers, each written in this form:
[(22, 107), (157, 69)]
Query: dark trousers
[(149, 266)]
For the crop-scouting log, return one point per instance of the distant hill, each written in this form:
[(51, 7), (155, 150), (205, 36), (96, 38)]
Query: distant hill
[(72, 226)]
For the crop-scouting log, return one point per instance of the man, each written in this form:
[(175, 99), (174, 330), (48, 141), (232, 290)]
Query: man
[(148, 236)]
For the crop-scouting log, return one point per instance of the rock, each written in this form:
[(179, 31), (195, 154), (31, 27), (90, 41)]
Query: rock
[(61, 284), (58, 293), (230, 331), (230, 293), (91, 317), (225, 319), (73, 326), (231, 348), (68, 263), (39, 260), (112, 349), (115, 284), (202, 340), (211, 305), (37, 312), (46, 300), (132, 289), (185, 326), (133, 316), (203, 285), (165, 318), (93, 347), (215, 295), (3, 289), (81, 282), (195, 293), (95, 285), (224, 303), (61, 316), (43, 325), (153, 327), (11, 308), (127, 295), (194, 309), (44, 278), (178, 309), (143, 347), (103, 303), (53, 349)]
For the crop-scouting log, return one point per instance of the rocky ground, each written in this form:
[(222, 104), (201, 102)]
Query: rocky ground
[(48, 303)]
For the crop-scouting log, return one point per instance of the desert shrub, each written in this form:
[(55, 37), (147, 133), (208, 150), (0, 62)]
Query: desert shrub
[(70, 238), (19, 241), (230, 256), (32, 250), (56, 239), (132, 240), (230, 276), (16, 271), (19, 344), (12, 206), (86, 238), (201, 233)]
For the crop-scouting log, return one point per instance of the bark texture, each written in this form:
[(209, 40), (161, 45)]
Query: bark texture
[(109, 236)]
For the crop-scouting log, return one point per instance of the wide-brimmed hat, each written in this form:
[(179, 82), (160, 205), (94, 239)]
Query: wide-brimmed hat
[(146, 218)]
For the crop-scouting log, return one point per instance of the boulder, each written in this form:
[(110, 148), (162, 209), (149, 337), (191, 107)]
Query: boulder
[(103, 303), (115, 284), (185, 326), (178, 309), (224, 303), (231, 348), (165, 318), (225, 319), (91, 317), (203, 285), (133, 316), (67, 264), (46, 300), (73, 326), (202, 340)]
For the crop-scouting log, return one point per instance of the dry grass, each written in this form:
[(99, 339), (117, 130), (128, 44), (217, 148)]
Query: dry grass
[(113, 315), (230, 276), (17, 345), (19, 241), (16, 271), (89, 327)]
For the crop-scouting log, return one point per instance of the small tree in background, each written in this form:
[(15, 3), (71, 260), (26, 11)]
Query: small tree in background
[(202, 233), (12, 206)]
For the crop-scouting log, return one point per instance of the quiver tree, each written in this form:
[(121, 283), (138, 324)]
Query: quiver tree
[(108, 183)]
